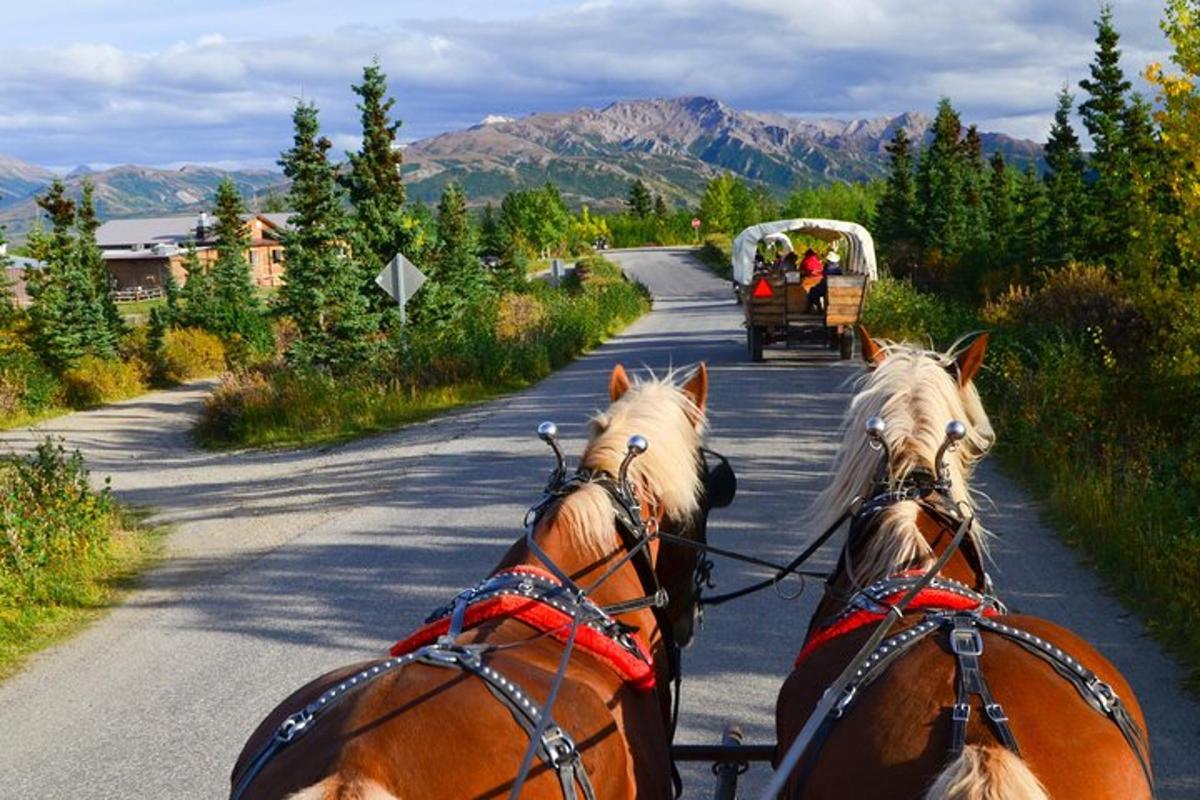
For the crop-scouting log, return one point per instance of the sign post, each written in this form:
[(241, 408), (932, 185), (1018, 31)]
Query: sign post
[(696, 227), (401, 280)]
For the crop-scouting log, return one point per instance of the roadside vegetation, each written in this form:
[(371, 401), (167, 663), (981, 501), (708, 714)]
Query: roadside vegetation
[(1088, 277), (344, 362), (66, 550)]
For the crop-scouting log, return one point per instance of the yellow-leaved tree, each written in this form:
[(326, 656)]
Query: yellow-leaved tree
[(1179, 120)]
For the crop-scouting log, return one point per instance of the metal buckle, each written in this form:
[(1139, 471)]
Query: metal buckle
[(293, 726), (966, 642), (559, 747), (844, 701), (960, 712), (1103, 693), (995, 712)]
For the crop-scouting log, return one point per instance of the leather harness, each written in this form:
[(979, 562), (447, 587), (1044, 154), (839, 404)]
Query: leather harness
[(965, 617), (555, 590)]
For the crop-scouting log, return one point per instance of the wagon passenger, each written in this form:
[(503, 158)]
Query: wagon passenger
[(811, 264), (819, 294)]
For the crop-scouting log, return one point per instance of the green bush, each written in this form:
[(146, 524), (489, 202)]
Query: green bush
[(27, 386), (190, 353), (92, 381), (502, 344), (717, 254)]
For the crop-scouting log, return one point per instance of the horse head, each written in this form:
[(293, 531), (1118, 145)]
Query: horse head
[(676, 484), (913, 434)]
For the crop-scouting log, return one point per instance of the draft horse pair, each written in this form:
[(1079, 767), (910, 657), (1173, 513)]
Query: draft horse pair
[(551, 678)]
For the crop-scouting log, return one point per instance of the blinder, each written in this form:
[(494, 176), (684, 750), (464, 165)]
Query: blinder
[(720, 481)]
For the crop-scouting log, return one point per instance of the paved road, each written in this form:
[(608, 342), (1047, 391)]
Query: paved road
[(287, 564)]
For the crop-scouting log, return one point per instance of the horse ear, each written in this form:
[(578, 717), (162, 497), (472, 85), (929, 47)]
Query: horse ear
[(970, 360), (618, 383), (873, 354), (697, 388)]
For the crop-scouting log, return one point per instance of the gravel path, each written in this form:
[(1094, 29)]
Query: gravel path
[(287, 564)]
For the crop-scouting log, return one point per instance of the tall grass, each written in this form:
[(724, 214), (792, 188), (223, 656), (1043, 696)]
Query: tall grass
[(502, 345), (64, 549), (1093, 388)]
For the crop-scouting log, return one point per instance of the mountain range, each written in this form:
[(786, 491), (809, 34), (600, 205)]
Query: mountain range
[(674, 145)]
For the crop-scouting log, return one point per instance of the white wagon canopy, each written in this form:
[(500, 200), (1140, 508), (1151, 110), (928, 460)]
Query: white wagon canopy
[(857, 252)]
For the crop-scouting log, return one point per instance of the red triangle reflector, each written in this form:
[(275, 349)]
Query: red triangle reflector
[(762, 289)]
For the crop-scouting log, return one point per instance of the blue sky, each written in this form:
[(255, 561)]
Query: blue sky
[(140, 81)]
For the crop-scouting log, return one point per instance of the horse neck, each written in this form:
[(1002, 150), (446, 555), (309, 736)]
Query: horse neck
[(562, 544), (938, 535)]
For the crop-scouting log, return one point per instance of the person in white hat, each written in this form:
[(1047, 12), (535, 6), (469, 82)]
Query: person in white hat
[(819, 294)]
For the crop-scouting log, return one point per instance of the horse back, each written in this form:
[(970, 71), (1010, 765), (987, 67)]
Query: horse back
[(435, 732), (901, 723)]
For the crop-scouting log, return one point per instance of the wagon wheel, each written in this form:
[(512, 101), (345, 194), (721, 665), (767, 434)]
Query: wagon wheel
[(754, 342), (846, 343)]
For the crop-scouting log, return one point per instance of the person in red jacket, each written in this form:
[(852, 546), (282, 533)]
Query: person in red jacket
[(811, 264)]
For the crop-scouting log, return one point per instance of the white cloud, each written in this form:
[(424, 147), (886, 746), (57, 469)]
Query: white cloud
[(227, 93)]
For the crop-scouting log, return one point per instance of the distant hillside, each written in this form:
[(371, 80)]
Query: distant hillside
[(126, 191), (674, 145)]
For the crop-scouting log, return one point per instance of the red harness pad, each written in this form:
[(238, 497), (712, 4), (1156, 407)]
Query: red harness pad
[(546, 619), (930, 599)]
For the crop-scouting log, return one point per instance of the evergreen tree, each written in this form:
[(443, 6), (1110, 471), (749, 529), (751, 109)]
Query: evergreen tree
[(236, 310), (456, 278), (940, 190), (171, 308), (895, 216), (1065, 187), (1149, 198), (92, 259), (975, 181), (196, 296), (998, 201), (68, 318), (1104, 112), (1030, 230), (322, 290), (8, 303), (660, 207), (639, 201), (374, 184), (491, 237)]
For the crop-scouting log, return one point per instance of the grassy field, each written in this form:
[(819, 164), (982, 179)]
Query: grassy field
[(67, 552)]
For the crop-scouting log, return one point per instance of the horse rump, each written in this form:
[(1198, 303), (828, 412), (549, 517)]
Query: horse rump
[(986, 773)]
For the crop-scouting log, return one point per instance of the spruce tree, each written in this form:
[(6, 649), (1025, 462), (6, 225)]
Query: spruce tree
[(1065, 187), (68, 317), (1030, 229), (975, 180), (491, 237), (374, 185), (8, 303), (322, 290), (456, 278), (92, 259), (196, 296), (940, 186), (1104, 112), (639, 201), (895, 216), (236, 310), (1000, 212), (660, 207), (171, 297)]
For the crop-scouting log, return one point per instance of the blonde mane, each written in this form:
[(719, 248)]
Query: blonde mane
[(916, 393), (666, 476)]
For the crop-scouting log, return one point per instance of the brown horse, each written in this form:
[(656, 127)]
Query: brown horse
[(962, 701), (453, 713)]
